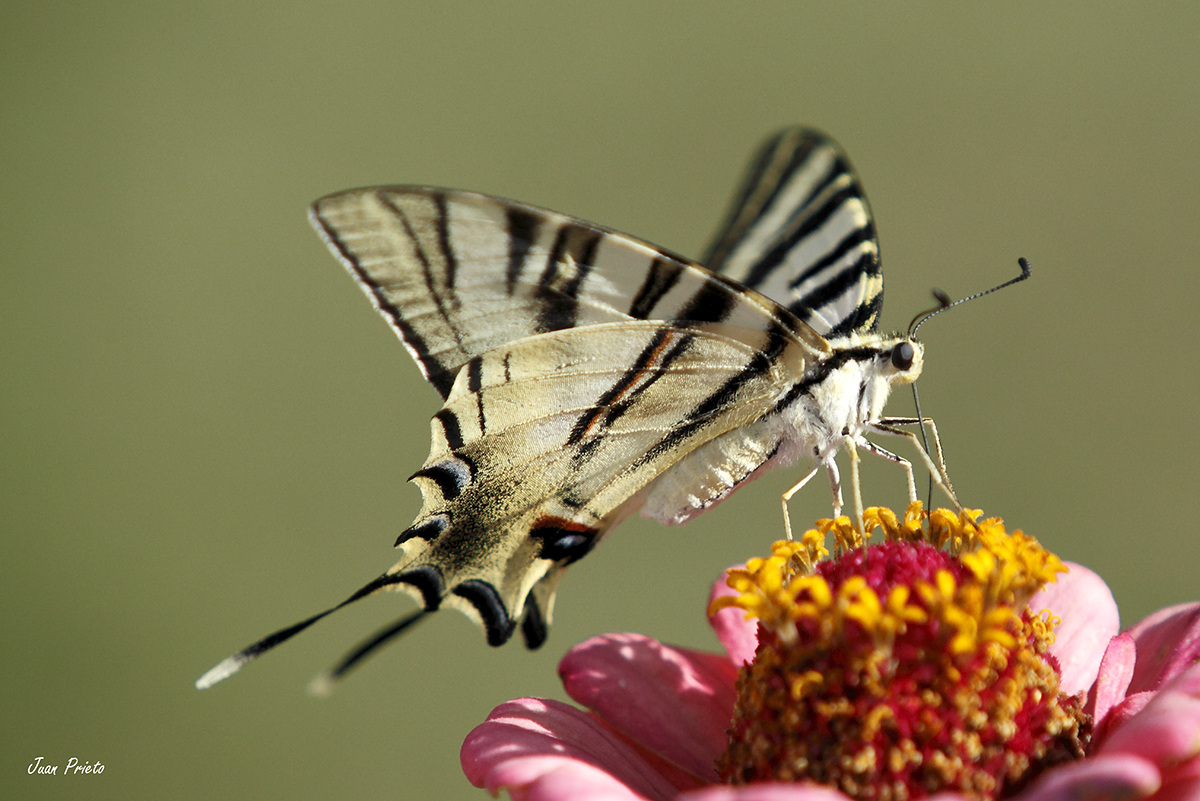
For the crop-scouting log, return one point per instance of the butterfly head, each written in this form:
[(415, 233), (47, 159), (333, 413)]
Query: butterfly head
[(894, 359), (901, 360), (851, 386)]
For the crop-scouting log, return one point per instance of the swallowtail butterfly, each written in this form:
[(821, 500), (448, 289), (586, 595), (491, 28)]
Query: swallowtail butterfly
[(587, 375)]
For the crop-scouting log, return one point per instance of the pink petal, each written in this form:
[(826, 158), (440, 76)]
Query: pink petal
[(1188, 770), (1125, 711), (1119, 776), (1185, 789), (1116, 669), (767, 792), (535, 748), (575, 781), (1167, 731), (675, 702), (736, 632), (681, 779), (1182, 783), (1168, 642), (1089, 620)]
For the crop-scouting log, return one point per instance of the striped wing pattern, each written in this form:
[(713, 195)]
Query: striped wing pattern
[(800, 232), (586, 374), (457, 274), (543, 444), (576, 364)]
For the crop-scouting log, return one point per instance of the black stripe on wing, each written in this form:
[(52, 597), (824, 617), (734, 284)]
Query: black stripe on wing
[(776, 159), (799, 230), (825, 200), (650, 366), (443, 297), (702, 414), (818, 306), (534, 627), (660, 279), (522, 232), (434, 370), (567, 266)]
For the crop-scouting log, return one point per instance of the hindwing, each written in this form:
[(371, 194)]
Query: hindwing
[(543, 444)]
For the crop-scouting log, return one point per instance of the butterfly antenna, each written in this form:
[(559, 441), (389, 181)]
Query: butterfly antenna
[(944, 303), (920, 319), (232, 664), (323, 684)]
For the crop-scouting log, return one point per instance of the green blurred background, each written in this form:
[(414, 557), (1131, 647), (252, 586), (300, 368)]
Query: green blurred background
[(206, 429)]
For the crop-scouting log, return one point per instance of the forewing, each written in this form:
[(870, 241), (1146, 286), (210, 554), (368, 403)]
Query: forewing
[(458, 274), (579, 366), (545, 443), (800, 232)]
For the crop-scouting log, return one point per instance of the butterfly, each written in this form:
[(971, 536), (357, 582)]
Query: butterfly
[(586, 374)]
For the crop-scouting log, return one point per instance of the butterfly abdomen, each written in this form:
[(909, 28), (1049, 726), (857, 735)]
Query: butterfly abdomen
[(711, 472)]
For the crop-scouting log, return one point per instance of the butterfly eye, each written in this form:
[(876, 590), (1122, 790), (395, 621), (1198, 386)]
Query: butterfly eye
[(902, 356)]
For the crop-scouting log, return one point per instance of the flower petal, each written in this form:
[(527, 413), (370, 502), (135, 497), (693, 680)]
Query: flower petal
[(737, 632), (1187, 789), (1167, 731), (537, 748), (1120, 776), (1116, 669), (1168, 642), (1188, 770), (1125, 711), (674, 702), (767, 792), (1089, 621), (1181, 784), (575, 781)]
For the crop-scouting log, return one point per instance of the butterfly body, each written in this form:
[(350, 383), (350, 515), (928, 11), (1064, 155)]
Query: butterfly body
[(840, 395), (586, 374)]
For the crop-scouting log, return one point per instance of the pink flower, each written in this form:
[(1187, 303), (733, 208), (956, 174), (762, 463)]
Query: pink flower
[(658, 714)]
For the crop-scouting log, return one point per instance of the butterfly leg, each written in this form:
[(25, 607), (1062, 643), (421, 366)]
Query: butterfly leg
[(938, 472), (855, 486), (871, 447), (835, 483), (787, 496), (891, 422)]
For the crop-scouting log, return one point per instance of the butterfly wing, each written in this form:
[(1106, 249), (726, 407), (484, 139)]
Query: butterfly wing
[(457, 274), (545, 443), (578, 367), (576, 363), (800, 232)]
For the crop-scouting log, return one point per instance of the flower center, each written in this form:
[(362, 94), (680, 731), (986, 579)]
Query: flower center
[(904, 668)]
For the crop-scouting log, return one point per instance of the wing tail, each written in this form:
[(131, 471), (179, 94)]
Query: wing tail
[(421, 580), (324, 683)]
